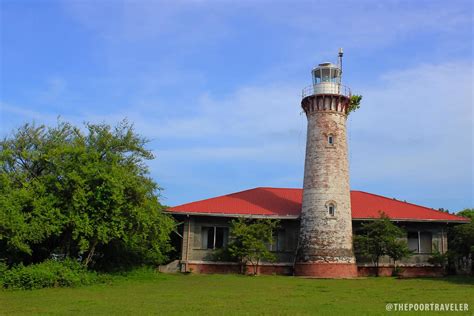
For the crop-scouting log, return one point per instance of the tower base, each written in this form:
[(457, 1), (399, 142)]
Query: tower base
[(326, 270)]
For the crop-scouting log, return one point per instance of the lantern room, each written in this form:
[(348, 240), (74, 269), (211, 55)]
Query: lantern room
[(326, 72), (327, 78)]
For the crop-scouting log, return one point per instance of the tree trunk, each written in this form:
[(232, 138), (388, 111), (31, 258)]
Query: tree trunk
[(242, 266), (91, 254)]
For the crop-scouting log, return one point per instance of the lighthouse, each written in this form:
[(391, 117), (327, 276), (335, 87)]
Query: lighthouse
[(325, 237)]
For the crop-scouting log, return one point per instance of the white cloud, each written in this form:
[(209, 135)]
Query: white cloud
[(415, 125), (248, 112), (415, 131)]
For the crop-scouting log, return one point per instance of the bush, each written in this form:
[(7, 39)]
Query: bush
[(50, 273), (397, 271), (438, 259), (3, 269), (222, 254)]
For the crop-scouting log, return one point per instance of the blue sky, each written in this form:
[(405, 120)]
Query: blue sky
[(216, 87)]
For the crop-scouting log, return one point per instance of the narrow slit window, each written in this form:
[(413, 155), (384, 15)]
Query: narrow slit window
[(331, 140), (331, 209)]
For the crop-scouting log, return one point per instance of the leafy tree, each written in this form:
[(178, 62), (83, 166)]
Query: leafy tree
[(397, 249), (250, 239), (354, 103), (461, 239), (76, 192), (379, 238)]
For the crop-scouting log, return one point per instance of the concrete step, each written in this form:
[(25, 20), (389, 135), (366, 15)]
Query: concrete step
[(172, 267)]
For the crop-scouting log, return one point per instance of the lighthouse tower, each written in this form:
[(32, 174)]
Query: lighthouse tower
[(325, 240)]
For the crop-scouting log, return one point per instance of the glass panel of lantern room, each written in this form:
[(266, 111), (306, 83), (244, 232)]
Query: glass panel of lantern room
[(325, 75), (335, 75), (316, 76)]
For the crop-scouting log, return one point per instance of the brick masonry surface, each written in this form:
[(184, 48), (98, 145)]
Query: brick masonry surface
[(325, 238), (316, 270)]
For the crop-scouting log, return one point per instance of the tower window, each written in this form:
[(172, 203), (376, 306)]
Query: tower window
[(331, 209), (331, 140)]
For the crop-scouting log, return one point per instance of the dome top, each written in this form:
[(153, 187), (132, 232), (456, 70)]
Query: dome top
[(328, 64)]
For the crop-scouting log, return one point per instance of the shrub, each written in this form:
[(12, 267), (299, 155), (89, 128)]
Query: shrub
[(50, 273), (3, 269), (222, 254), (438, 258), (397, 271)]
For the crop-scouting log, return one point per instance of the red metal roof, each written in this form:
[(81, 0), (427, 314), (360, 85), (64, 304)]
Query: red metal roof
[(283, 202)]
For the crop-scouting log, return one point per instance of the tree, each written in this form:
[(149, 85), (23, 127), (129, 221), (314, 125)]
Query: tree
[(397, 250), (354, 103), (75, 192), (461, 239), (381, 237), (250, 239)]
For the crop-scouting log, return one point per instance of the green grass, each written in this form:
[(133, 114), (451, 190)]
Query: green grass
[(146, 292)]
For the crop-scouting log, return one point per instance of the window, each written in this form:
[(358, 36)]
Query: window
[(279, 238), (331, 209), (426, 242), (420, 242), (412, 240), (325, 74), (317, 76), (214, 237), (331, 140)]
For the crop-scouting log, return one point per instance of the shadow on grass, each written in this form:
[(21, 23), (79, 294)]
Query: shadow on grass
[(455, 279), (459, 279)]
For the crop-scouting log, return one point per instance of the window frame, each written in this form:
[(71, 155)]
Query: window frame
[(279, 241), (333, 207), (225, 237), (331, 140), (418, 234)]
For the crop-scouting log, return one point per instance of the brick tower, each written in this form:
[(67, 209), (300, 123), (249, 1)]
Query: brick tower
[(325, 240)]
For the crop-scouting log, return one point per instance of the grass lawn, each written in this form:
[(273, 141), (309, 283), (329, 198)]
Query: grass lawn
[(153, 293)]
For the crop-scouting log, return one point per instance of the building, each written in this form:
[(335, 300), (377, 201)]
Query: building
[(205, 227), (318, 221)]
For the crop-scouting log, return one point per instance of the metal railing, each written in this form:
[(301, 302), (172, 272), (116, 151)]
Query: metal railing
[(326, 88)]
